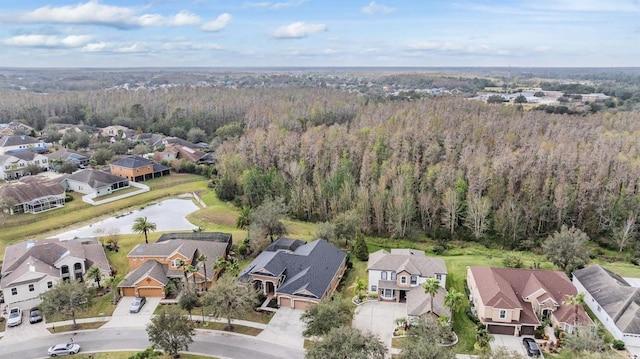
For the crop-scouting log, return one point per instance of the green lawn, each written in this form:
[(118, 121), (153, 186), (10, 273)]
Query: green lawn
[(79, 326)]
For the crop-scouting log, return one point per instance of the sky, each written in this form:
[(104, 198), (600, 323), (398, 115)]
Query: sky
[(319, 33)]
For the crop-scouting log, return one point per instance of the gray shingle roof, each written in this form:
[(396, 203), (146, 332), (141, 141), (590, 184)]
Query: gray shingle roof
[(413, 261), (310, 268), (132, 162), (614, 295), (7, 141), (68, 155), (151, 268), (95, 179), (27, 190), (419, 302)]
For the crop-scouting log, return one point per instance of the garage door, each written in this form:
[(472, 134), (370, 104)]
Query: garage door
[(285, 302), (128, 292), (151, 292), (527, 330), (501, 329), (302, 305)]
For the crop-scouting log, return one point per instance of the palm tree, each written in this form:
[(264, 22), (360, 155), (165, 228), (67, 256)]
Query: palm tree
[(193, 270), (95, 274), (185, 268), (431, 287), (242, 221), (358, 286), (142, 225), (111, 283), (575, 301), (453, 300), (203, 259)]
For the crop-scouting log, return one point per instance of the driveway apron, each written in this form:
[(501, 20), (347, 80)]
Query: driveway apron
[(285, 328), (379, 318), (121, 318)]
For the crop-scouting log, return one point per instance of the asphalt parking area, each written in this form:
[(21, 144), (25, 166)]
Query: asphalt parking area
[(379, 318)]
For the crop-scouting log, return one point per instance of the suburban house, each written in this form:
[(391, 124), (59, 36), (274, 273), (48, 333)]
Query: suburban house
[(33, 194), (399, 275), (138, 169), (515, 301), (297, 273), (147, 138), (15, 164), (613, 299), (153, 265), (174, 151), (15, 128), (19, 143), (93, 181), (116, 132), (32, 267), (70, 156)]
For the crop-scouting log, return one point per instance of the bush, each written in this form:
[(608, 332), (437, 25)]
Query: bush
[(635, 261), (473, 317), (68, 198), (618, 344), (513, 260), (438, 250)]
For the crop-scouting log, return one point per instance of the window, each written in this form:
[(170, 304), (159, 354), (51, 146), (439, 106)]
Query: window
[(439, 276), (14, 291), (393, 276), (49, 284), (383, 275), (414, 279), (31, 288), (374, 288), (403, 280), (388, 293), (503, 313)]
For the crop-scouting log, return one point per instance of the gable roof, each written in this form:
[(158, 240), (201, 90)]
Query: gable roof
[(150, 268), (308, 270), (30, 188), (95, 179), (419, 302), (6, 141), (413, 261), (615, 296), (132, 162), (42, 255), (68, 155), (286, 244)]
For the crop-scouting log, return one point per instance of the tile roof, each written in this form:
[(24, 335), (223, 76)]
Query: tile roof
[(615, 296), (413, 261), (309, 268)]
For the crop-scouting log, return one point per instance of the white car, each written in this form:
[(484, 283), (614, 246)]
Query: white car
[(15, 317), (63, 349)]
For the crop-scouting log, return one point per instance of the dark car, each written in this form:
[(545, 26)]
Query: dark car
[(531, 347), (137, 304), (35, 316)]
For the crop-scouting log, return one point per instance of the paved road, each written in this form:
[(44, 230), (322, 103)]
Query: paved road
[(205, 342)]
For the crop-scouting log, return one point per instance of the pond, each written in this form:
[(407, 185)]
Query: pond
[(168, 215)]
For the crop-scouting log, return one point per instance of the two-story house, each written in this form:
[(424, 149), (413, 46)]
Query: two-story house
[(10, 144), (17, 164), (515, 301), (613, 299), (153, 265), (32, 267), (138, 169), (297, 273), (399, 276)]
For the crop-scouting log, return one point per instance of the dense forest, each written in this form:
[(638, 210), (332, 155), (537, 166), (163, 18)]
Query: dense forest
[(445, 166)]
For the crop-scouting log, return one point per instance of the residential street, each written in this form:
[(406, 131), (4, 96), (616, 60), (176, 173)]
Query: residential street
[(205, 342)]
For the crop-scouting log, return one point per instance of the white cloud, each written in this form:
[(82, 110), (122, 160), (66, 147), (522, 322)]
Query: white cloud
[(587, 5), (218, 24), (267, 5), (435, 45), (298, 30), (373, 9), (542, 48), (94, 12), (48, 40), (116, 47)]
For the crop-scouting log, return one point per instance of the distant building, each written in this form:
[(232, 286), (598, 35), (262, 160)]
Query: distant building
[(10, 144), (16, 164), (138, 169)]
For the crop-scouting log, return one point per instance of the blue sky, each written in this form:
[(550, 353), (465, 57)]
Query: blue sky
[(236, 33)]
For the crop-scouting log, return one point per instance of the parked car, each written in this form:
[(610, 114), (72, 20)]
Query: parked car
[(531, 346), (63, 349), (35, 316), (137, 304), (15, 317)]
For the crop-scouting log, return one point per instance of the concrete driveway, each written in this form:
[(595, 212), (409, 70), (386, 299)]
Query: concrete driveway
[(379, 318), (285, 328), (25, 331), (121, 317), (510, 342)]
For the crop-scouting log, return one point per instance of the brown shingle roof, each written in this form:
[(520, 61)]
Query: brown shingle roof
[(28, 189)]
